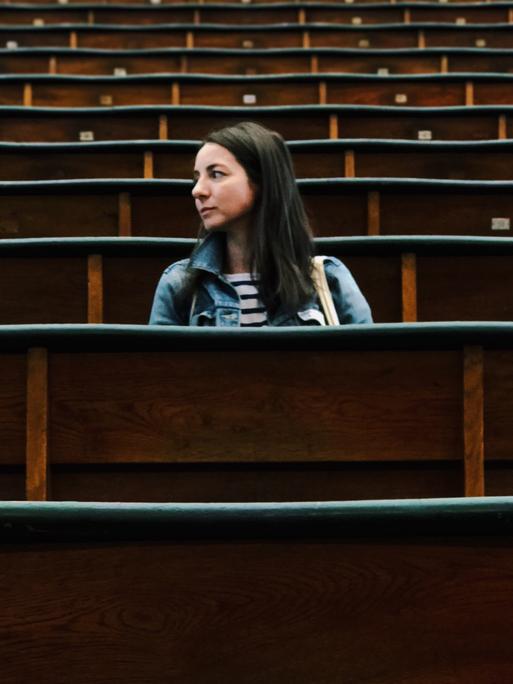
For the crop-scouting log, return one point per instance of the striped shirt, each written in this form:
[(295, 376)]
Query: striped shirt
[(252, 310)]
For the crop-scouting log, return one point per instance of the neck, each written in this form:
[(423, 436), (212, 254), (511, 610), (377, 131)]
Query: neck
[(237, 252)]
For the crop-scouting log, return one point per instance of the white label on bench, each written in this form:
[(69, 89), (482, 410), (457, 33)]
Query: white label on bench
[(119, 71), (500, 224), (38, 22), (363, 43), (424, 135), (249, 99), (154, 2), (480, 42), (106, 100), (356, 20), (383, 71), (401, 98), (11, 45), (86, 136), (349, 2), (248, 44), (246, 2), (444, 1), (62, 2), (460, 21)]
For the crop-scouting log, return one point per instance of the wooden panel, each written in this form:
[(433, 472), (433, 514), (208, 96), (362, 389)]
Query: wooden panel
[(319, 163), (472, 15), (494, 37), (90, 94), (131, 40), (441, 127), (173, 164), (383, 93), (297, 611), (384, 15), (454, 165), (292, 127), (43, 290), (12, 483), (14, 64), (11, 94), (57, 37), (166, 410), (67, 129), (341, 214), (59, 216), (493, 93), (247, 482), (256, 64), (12, 409), (464, 288), (141, 64), (129, 287), (35, 165), (162, 216), (449, 214), (498, 405), (372, 39), (266, 94), (243, 38), (283, 15), (370, 64), (379, 278)]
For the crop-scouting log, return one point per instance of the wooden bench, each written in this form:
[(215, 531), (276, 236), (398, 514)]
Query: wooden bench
[(38, 124), (88, 61), (286, 12), (337, 206), (86, 280), (312, 158), (427, 90), (152, 413), (308, 593), (259, 35)]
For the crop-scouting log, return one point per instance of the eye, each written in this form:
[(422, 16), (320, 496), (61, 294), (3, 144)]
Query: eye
[(215, 173)]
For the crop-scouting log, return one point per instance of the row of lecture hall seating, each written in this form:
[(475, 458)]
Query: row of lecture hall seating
[(399, 119), (418, 35), (163, 208), (427, 90), (480, 160), (297, 122), (384, 62), (284, 13)]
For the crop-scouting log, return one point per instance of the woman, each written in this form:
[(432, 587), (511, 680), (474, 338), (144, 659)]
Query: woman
[(253, 264)]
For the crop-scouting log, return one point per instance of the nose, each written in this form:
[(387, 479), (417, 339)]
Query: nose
[(200, 188)]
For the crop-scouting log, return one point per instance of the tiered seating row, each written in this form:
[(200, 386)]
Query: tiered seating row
[(283, 13), (424, 392), (338, 207), (23, 124), (102, 280), (212, 591), (250, 62), (490, 160), (193, 89), (129, 36)]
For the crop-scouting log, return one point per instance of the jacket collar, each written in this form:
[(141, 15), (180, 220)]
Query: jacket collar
[(210, 254)]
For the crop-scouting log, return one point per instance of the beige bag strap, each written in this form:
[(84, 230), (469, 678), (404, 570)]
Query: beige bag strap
[(323, 291)]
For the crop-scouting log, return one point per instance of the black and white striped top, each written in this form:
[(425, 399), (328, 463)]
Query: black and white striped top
[(252, 310)]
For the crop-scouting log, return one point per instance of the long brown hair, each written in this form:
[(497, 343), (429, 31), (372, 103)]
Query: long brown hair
[(281, 245)]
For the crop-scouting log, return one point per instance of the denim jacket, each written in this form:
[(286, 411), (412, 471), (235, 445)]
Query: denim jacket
[(217, 302)]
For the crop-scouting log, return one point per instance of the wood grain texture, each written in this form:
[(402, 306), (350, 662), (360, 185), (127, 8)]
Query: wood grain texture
[(409, 287), (37, 485), (13, 398), (373, 213), (95, 289), (473, 421), (389, 612), (124, 214), (184, 407)]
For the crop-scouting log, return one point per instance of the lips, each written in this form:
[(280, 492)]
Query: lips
[(205, 210)]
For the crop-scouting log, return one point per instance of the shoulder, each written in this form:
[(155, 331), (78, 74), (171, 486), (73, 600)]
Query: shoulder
[(175, 274), (334, 268)]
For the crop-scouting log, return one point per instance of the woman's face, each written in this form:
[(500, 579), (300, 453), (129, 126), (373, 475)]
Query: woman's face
[(223, 193)]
